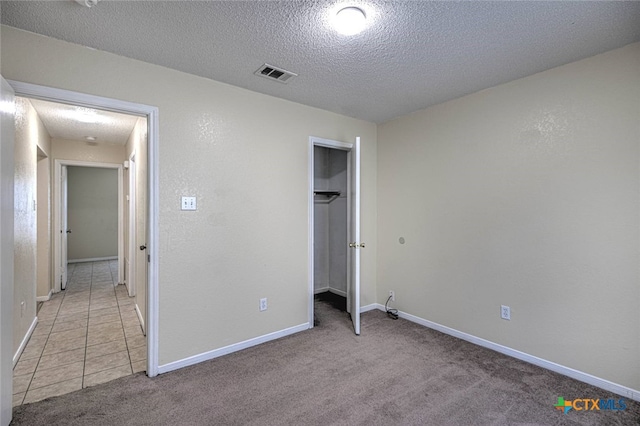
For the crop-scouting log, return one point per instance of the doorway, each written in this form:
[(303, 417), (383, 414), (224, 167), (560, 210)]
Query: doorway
[(151, 169), (87, 196), (334, 227), (89, 331)]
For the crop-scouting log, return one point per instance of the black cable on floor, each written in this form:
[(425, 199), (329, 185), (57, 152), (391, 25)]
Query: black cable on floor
[(391, 313)]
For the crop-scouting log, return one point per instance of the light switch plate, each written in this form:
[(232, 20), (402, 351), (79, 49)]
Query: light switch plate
[(189, 203)]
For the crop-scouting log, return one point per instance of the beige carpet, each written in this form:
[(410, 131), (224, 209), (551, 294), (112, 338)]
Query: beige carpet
[(396, 372)]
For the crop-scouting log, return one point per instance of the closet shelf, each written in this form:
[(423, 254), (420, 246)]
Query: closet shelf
[(328, 193)]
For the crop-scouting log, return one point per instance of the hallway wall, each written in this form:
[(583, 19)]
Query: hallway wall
[(92, 213), (30, 132)]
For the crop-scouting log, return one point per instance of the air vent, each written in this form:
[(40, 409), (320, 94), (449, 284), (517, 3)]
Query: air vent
[(275, 73)]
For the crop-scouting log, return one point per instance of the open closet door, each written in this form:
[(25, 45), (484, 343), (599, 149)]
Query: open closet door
[(354, 236)]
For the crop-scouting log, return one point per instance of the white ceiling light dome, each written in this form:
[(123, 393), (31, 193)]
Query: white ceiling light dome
[(350, 20), (87, 3)]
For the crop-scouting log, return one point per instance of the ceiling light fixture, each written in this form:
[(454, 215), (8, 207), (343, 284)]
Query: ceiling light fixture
[(83, 115), (91, 138), (350, 20), (87, 3)]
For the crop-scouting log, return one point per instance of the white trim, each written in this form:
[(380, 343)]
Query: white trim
[(7, 213), (231, 348), (371, 307), (311, 231), (25, 340), (44, 298), (92, 259), (330, 290), (60, 95), (153, 238), (141, 319), (338, 292), (531, 359)]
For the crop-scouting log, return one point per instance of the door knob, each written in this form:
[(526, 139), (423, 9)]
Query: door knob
[(69, 231), (143, 247)]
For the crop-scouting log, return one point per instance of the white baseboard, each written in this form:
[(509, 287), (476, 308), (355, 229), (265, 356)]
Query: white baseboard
[(92, 259), (330, 290), (549, 365), (25, 340), (44, 298), (141, 319), (338, 292), (231, 348), (371, 307)]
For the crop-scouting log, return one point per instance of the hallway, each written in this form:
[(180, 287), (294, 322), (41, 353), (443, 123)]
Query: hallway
[(86, 335)]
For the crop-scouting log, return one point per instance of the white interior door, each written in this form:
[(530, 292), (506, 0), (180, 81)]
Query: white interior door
[(64, 230), (355, 244), (7, 119)]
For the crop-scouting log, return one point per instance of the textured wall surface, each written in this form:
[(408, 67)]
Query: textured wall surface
[(245, 156), (526, 195), (92, 212), (62, 149), (411, 55), (29, 130)]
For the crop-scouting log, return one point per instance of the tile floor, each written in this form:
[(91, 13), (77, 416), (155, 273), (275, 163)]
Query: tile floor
[(86, 335)]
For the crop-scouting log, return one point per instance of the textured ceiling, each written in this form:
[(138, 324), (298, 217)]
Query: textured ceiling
[(413, 54), (61, 122)]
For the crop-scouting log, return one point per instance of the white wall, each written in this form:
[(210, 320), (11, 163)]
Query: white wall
[(527, 195), (63, 149), (29, 130), (338, 222), (92, 212), (244, 155)]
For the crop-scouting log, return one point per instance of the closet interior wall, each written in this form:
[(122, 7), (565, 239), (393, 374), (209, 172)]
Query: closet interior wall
[(330, 221)]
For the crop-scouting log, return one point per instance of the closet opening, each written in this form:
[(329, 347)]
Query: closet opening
[(330, 205), (334, 232)]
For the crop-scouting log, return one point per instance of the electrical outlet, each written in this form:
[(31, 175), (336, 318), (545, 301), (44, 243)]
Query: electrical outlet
[(263, 304), (505, 312), (392, 294)]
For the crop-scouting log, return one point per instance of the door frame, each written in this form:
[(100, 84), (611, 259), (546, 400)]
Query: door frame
[(60, 254), (7, 172), (29, 90), (58, 208), (349, 148), (132, 228)]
